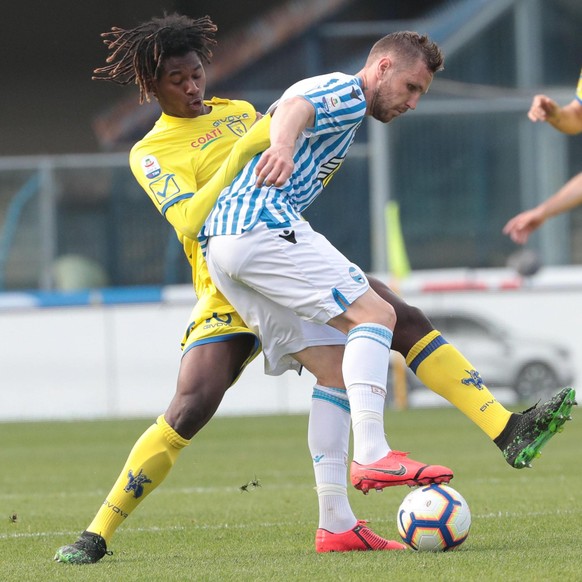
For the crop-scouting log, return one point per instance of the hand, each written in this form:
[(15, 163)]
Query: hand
[(542, 108), (521, 226), (275, 166)]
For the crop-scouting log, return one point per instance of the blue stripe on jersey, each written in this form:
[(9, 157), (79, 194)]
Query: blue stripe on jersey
[(436, 343), (337, 121), (173, 201), (319, 152)]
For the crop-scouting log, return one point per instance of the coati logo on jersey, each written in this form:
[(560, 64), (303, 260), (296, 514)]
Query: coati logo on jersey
[(151, 167), (202, 141), (327, 170)]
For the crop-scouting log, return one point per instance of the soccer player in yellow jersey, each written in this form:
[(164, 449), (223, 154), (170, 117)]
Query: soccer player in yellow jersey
[(177, 164), (567, 119)]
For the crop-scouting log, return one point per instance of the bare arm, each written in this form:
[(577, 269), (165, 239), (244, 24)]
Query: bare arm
[(291, 117), (567, 119), (567, 197)]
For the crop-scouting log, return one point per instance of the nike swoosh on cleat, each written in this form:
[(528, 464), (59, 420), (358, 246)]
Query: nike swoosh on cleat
[(400, 471)]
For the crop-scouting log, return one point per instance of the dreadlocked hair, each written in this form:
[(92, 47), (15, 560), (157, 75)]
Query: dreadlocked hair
[(137, 55)]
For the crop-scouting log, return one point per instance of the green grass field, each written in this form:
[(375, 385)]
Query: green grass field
[(199, 525)]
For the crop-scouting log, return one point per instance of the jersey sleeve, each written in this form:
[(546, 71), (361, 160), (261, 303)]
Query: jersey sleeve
[(187, 209), (166, 178), (579, 89), (339, 105)]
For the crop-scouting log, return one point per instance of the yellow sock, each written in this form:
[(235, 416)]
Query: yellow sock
[(443, 369), (148, 464)]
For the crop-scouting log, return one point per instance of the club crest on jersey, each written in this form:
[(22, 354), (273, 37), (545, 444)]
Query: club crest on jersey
[(237, 127), (474, 379), (331, 102), (151, 167), (135, 483), (355, 95)]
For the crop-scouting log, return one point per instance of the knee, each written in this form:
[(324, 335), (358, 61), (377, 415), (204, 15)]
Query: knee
[(410, 319), (191, 410), (412, 325), (384, 314)]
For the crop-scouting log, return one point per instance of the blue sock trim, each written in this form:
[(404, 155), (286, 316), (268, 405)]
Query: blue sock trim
[(375, 332), (436, 343), (342, 403)]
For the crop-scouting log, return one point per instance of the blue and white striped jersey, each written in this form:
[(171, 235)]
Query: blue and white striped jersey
[(340, 107)]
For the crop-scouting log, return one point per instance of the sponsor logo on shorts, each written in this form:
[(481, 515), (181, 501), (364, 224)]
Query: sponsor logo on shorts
[(289, 236), (356, 275), (216, 321)]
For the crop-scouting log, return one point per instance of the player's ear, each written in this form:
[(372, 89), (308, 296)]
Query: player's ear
[(383, 65)]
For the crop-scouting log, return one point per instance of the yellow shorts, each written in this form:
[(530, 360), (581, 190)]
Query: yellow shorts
[(214, 320)]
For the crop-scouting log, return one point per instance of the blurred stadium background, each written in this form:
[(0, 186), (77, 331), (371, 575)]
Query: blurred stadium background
[(72, 216), (459, 167)]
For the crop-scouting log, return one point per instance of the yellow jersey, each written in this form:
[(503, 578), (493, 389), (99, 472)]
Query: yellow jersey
[(579, 88), (178, 157)]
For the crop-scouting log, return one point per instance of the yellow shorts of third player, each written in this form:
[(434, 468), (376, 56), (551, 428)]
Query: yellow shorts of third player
[(214, 320)]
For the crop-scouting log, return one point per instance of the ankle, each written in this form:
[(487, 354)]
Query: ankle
[(502, 439)]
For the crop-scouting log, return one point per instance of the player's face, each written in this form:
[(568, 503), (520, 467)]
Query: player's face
[(180, 88), (398, 89)]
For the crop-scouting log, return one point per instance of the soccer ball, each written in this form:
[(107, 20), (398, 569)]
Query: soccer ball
[(435, 518)]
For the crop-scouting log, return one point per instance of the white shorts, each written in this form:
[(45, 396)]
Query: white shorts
[(285, 284)]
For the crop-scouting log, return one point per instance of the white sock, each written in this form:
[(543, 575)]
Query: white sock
[(365, 371), (328, 438)]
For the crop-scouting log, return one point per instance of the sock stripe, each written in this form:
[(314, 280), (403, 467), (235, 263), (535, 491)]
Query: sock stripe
[(433, 345), (377, 333), (338, 401)]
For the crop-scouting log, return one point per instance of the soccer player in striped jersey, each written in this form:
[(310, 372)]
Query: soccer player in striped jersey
[(567, 119), (273, 267)]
